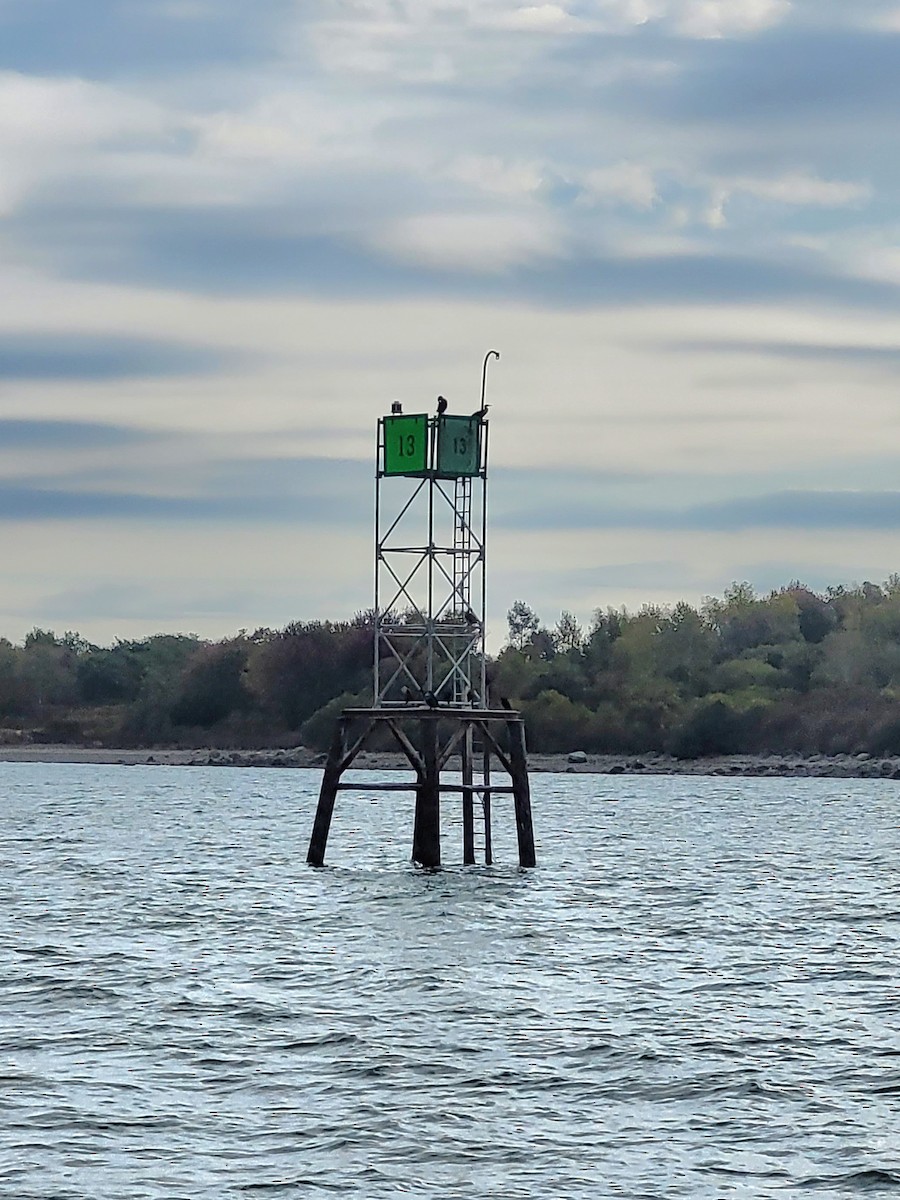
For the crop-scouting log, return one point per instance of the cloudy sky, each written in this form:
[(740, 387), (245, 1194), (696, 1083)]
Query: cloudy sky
[(232, 233)]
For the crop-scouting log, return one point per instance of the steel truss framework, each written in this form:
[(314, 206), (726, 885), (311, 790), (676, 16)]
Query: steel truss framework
[(430, 535), (430, 697)]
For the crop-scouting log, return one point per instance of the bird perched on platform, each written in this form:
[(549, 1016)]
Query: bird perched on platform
[(430, 699), (442, 405), (471, 695), (407, 695), (504, 703), (471, 619)]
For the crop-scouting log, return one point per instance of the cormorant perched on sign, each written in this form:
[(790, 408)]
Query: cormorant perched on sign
[(430, 699), (442, 405), (481, 414)]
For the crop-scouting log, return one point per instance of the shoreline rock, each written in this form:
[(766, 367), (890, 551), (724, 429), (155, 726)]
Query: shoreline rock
[(817, 766)]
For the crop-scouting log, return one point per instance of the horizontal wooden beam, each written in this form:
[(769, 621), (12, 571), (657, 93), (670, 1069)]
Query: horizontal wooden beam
[(486, 789)]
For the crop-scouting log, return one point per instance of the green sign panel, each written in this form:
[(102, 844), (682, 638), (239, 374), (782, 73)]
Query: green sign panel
[(458, 446), (406, 445)]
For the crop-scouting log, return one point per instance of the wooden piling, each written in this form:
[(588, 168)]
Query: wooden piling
[(428, 739), (427, 828), (468, 797), (486, 805)]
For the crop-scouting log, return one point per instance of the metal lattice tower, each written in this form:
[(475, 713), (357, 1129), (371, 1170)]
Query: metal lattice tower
[(430, 533), (430, 699)]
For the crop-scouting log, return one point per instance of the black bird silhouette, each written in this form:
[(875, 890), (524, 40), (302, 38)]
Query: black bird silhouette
[(407, 695), (481, 414), (430, 699), (471, 695), (504, 703), (471, 619), (396, 407), (442, 405)]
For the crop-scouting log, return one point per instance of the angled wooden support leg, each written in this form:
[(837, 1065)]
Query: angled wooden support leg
[(427, 830), (521, 792), (334, 768)]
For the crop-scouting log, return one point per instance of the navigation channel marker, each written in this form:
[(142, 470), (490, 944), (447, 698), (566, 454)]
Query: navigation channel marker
[(458, 446), (406, 445)]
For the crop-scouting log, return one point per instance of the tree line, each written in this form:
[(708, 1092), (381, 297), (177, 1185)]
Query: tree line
[(789, 671)]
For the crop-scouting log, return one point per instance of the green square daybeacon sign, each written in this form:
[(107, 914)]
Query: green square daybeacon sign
[(406, 445), (458, 446)]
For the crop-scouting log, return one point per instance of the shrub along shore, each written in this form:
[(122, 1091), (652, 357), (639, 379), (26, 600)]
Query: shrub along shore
[(780, 683)]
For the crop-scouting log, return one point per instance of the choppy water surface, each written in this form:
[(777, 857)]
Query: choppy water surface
[(695, 994)]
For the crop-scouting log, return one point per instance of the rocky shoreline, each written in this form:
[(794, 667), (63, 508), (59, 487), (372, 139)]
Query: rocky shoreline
[(839, 766)]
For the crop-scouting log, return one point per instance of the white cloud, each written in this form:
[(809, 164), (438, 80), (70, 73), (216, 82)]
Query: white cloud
[(804, 188), (800, 189), (486, 243), (628, 183), (536, 17), (885, 21), (727, 18), (46, 125), (495, 175), (455, 134)]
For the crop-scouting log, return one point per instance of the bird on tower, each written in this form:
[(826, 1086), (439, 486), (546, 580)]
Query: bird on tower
[(441, 405), (481, 413)]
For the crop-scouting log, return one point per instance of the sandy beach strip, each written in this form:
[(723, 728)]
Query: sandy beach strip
[(855, 766)]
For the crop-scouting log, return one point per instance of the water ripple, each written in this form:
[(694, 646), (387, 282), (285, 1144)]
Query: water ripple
[(694, 995)]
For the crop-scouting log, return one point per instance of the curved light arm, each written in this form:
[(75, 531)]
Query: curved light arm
[(490, 354)]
